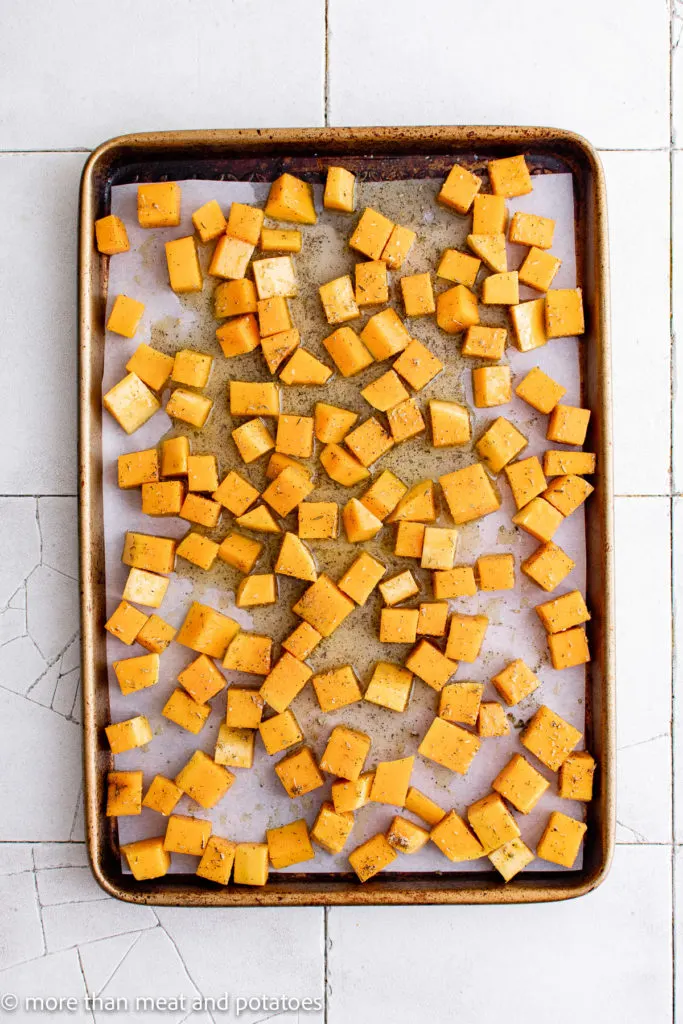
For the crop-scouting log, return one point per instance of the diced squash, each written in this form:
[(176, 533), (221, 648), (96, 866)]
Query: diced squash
[(294, 559), (291, 199)]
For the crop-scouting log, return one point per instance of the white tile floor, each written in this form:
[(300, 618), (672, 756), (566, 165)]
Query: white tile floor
[(72, 75)]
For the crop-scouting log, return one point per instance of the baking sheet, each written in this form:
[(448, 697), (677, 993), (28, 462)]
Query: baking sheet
[(257, 800)]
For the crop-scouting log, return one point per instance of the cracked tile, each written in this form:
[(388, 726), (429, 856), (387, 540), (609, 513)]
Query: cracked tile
[(19, 544), (21, 937), (72, 924), (65, 694), (58, 975), (21, 664), (101, 959), (15, 857), (77, 833), (66, 885), (58, 523), (52, 610), (643, 801), (18, 600), (72, 656), (12, 624), (42, 691), (622, 930)]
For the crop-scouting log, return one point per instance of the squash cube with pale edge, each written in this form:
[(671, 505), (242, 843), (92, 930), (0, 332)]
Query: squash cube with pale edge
[(331, 828), (561, 840), (230, 257), (384, 494), (345, 753), (450, 424), (146, 588), (563, 612), (567, 493), (409, 539), (485, 342), (332, 424), (520, 784), (338, 299), (162, 795), (458, 267), (289, 844), (491, 251), (318, 520), (568, 425), (285, 680), (568, 649), (511, 858), (207, 631), (135, 674), (244, 708), (526, 479), (256, 590), (432, 618), (399, 588), (430, 665), (189, 407), (291, 199), (125, 623), (449, 745), (459, 189), (398, 625), (495, 572), (239, 336), (372, 857), (323, 606), (359, 522), (389, 687), (510, 177), (575, 781), (124, 793), (294, 559), (131, 403), (182, 710), (182, 261), (539, 518), (250, 653), (156, 635), (385, 334), (550, 738), (350, 795), (287, 490), (460, 702), (372, 288), (158, 204), (532, 230), (424, 807), (123, 736), (147, 858), (302, 641), (489, 214), (538, 270), (371, 234), (466, 636), (491, 386), (392, 778), (280, 732), (347, 351), (361, 578), (399, 245), (251, 864), (125, 316), (234, 298), (547, 566), (492, 721), (457, 309), (339, 190), (203, 780), (469, 493), (209, 221), (455, 840), (275, 276), (528, 322), (234, 747), (217, 860), (564, 312), (111, 236), (299, 773), (439, 547), (492, 823), (336, 688), (515, 682), (240, 552)]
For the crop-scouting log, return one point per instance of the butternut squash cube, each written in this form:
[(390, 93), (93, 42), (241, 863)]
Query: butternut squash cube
[(417, 365), (532, 230), (287, 490), (189, 407), (569, 648), (392, 778), (186, 712), (209, 221), (240, 552), (491, 386), (202, 473), (155, 554), (493, 824), (336, 688), (501, 289), (405, 421), (249, 398), (125, 623), (143, 587), (416, 506), (244, 708), (561, 840), (575, 780), (384, 494), (390, 686), (459, 189), (405, 836), (339, 190), (273, 316), (332, 424), (489, 215), (147, 858), (491, 251), (450, 424), (123, 736), (240, 335), (197, 509), (430, 665), (399, 588), (455, 840), (548, 566), (520, 784), (360, 524), (369, 441), (341, 466), (323, 606), (361, 578), (275, 276), (539, 269), (203, 780), (230, 257), (251, 864), (256, 590), (515, 682), (304, 368), (235, 493), (284, 681), (564, 312), (398, 625), (201, 679), (424, 807), (111, 236), (511, 858), (385, 391), (432, 619), (318, 520), (135, 674), (385, 334), (460, 702), (302, 641), (294, 559), (371, 857), (249, 652), (456, 582), (207, 631), (510, 177), (567, 493), (349, 796), (449, 745), (182, 261), (484, 342), (124, 794), (125, 316), (289, 844), (217, 860), (501, 443), (188, 835), (559, 463), (164, 498), (245, 222), (563, 612), (331, 828), (456, 309), (438, 548), (371, 234), (539, 518), (540, 391), (526, 479), (465, 637), (234, 747), (338, 299), (278, 347), (458, 267), (253, 439), (234, 298), (528, 322), (162, 795), (138, 468), (399, 245), (345, 753), (278, 240), (295, 436), (131, 403), (156, 635), (568, 425), (280, 732), (418, 295), (372, 287), (469, 493), (299, 773), (492, 721), (291, 199), (550, 738), (347, 351), (259, 519), (159, 204), (174, 455), (495, 572)]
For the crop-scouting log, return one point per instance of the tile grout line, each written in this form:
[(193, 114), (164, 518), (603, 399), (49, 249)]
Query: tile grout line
[(672, 567), (326, 80), (326, 911)]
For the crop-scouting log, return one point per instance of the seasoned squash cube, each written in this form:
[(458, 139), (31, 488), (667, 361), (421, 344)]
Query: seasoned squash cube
[(460, 702), (249, 652), (251, 864), (469, 493), (294, 559), (492, 721), (449, 745), (207, 631), (135, 674), (492, 823), (559, 463), (489, 215), (137, 468), (125, 316), (125, 623), (345, 753), (564, 312), (182, 261), (491, 251), (111, 236), (185, 834), (245, 222), (202, 473), (528, 322), (540, 391), (456, 309), (526, 479), (230, 257), (532, 230), (424, 807), (438, 548), (371, 857), (495, 572), (295, 436), (287, 490), (331, 828), (156, 635), (201, 510), (124, 794), (275, 276), (234, 747), (280, 732), (385, 334), (278, 347), (398, 625), (515, 682), (520, 784), (575, 780), (405, 420), (186, 712), (550, 738), (338, 299), (323, 606), (299, 773), (256, 590), (384, 494), (239, 336), (234, 298), (209, 221), (302, 641), (203, 780), (159, 204), (432, 619), (392, 778), (123, 736), (416, 506), (235, 493), (289, 844), (485, 342), (304, 368), (511, 858), (417, 365), (369, 441), (253, 439), (538, 270), (131, 403), (349, 796), (336, 688), (248, 398), (450, 424), (361, 578), (405, 836), (174, 455), (339, 190), (548, 566), (201, 679), (371, 234), (501, 289), (291, 199), (409, 540), (561, 840), (466, 636), (341, 466), (347, 351), (390, 686), (539, 518), (147, 858), (458, 267), (510, 177), (318, 520), (456, 582), (459, 189), (244, 708), (189, 407), (273, 316), (360, 524), (162, 795), (217, 860), (568, 424), (563, 612), (430, 665), (143, 587), (332, 424), (284, 681), (491, 386), (399, 245), (155, 554), (259, 519), (455, 840), (240, 552), (164, 498), (385, 391), (399, 588), (372, 287), (418, 294)]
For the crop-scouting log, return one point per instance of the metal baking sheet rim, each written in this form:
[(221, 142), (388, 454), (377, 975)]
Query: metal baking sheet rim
[(317, 890)]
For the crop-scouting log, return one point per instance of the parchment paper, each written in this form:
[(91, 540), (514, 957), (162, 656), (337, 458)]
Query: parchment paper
[(257, 801)]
